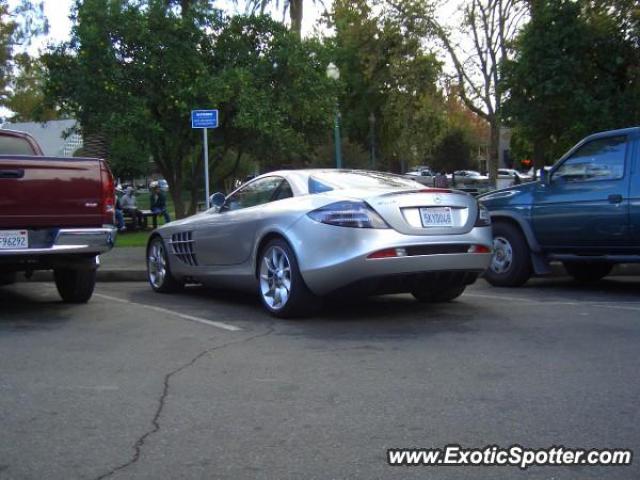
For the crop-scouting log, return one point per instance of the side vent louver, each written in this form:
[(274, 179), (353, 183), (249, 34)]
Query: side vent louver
[(182, 244)]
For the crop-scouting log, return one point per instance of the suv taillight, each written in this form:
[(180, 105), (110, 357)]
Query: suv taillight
[(108, 200)]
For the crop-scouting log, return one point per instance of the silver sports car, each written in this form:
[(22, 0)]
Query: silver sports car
[(299, 235)]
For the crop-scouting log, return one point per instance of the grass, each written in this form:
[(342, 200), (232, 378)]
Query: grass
[(133, 239), (139, 238)]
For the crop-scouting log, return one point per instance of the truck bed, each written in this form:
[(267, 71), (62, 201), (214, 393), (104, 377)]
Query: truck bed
[(50, 192)]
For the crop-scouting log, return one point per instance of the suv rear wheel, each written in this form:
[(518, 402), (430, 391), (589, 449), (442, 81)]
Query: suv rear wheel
[(588, 272), (511, 262)]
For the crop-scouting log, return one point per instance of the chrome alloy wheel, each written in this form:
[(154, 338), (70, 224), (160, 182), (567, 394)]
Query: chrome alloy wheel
[(502, 255), (275, 278), (157, 264)]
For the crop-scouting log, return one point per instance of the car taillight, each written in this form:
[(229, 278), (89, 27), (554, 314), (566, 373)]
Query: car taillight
[(479, 249), (108, 200), (348, 214), (484, 217)]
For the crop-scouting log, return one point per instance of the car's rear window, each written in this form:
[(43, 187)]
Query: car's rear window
[(325, 181), (10, 145)]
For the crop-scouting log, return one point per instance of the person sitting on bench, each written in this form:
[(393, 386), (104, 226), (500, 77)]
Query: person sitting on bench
[(159, 203), (130, 209)]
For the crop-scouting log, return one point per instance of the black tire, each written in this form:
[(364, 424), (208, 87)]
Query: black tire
[(513, 269), (301, 302), (439, 294), (7, 278), (160, 282), (587, 272), (75, 285)]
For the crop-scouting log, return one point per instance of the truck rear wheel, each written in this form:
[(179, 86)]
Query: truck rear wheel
[(588, 272), (511, 262), (75, 285)]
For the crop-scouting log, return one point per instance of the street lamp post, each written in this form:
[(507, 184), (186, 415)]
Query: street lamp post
[(334, 74)]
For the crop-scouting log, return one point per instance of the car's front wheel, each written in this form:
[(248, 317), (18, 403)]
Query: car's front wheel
[(75, 285), (158, 269), (281, 286), (511, 262), (588, 272)]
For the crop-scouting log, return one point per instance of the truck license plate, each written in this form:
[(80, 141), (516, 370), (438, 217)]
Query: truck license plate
[(436, 217), (14, 239)]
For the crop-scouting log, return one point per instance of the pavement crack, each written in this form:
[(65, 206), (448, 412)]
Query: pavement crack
[(155, 422)]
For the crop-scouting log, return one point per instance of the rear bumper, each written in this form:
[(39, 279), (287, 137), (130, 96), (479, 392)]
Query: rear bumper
[(331, 258), (69, 241)]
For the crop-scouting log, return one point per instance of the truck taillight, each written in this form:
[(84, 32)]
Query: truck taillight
[(108, 200)]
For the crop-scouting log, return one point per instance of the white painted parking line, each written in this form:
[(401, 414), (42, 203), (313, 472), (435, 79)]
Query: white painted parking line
[(634, 306), (191, 318)]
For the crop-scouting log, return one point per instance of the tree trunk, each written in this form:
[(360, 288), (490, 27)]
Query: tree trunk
[(176, 195), (494, 145), (538, 157), (295, 14), (174, 177)]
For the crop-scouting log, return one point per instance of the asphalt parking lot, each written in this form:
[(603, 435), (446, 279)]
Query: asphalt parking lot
[(205, 385)]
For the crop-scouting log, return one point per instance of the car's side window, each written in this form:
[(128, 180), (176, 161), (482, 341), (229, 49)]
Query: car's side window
[(283, 191), (253, 194), (601, 159)]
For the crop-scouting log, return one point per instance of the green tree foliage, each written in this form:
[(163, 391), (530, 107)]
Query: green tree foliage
[(26, 99), (133, 71), (388, 73), (18, 25), (575, 72), (294, 7), (453, 151)]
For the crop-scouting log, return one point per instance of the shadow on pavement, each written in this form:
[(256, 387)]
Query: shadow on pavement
[(26, 312)]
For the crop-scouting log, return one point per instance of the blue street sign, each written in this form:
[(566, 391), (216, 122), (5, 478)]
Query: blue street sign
[(204, 118)]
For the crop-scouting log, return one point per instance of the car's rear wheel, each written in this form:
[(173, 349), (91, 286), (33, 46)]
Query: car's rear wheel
[(511, 262), (75, 285), (7, 278), (158, 269), (588, 272), (281, 286), (439, 294)]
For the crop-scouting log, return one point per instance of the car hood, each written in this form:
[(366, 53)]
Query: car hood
[(515, 195)]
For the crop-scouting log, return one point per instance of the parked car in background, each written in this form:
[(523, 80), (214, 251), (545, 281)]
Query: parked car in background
[(422, 175), (296, 236), (511, 173), (584, 212), (55, 214), (510, 176), (468, 178)]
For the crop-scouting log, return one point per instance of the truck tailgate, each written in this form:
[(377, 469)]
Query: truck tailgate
[(38, 192)]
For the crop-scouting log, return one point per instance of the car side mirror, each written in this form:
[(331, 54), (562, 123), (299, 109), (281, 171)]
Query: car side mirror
[(217, 200), (544, 177)]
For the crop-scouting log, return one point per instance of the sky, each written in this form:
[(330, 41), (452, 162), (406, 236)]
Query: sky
[(57, 12)]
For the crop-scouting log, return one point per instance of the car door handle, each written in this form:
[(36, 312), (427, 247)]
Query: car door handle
[(615, 198), (19, 173)]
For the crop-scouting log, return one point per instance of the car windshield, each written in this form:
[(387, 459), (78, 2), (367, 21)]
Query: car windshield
[(330, 180)]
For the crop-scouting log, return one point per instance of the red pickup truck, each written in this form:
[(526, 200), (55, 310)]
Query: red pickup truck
[(55, 214)]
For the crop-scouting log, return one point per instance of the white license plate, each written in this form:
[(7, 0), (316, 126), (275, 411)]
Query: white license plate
[(436, 217), (14, 239)]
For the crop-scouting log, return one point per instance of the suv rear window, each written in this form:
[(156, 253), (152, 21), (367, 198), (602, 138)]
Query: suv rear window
[(10, 145)]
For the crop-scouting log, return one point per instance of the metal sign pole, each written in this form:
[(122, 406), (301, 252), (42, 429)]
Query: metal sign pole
[(206, 169)]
